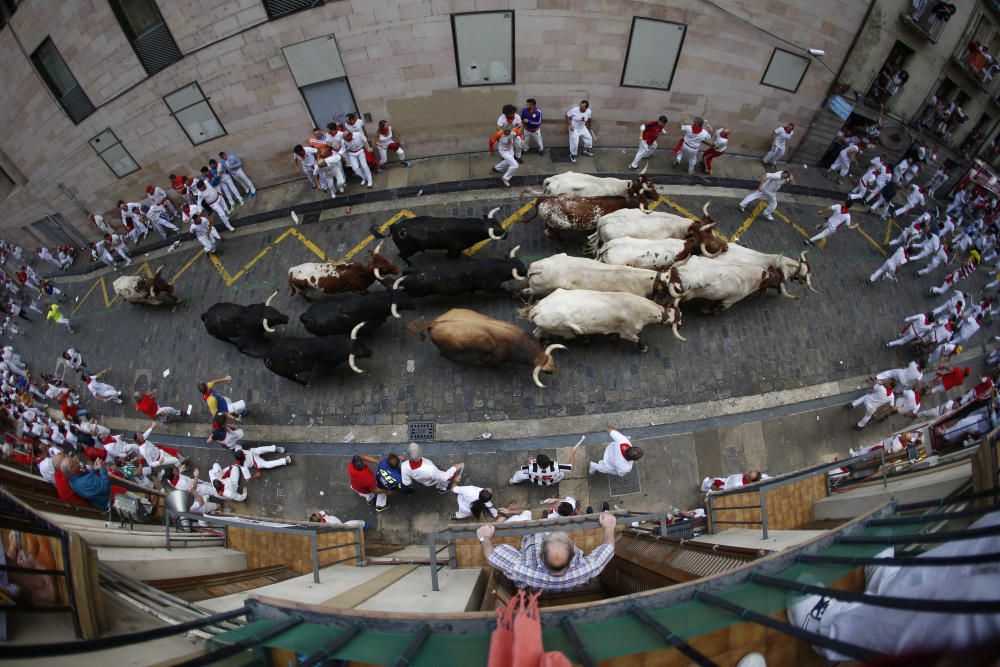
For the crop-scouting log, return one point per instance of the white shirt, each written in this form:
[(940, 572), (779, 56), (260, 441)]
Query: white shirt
[(838, 218), (772, 182), (505, 145), (427, 474), (384, 140), (554, 512), (915, 197), (193, 211), (307, 160), (200, 226), (907, 402), (209, 195), (158, 195), (356, 143), (693, 139), (578, 119), (336, 141), (357, 127), (878, 397), (466, 495), (502, 120), (47, 470), (230, 484), (719, 142), (613, 457), (781, 136)]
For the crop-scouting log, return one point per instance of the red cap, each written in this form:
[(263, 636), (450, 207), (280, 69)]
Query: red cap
[(149, 189)]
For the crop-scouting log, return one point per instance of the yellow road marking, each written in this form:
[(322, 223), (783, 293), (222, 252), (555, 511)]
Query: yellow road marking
[(405, 213), (749, 221), (187, 266), (229, 279), (888, 232), (104, 292), (514, 217), (691, 216), (804, 233), (875, 243)]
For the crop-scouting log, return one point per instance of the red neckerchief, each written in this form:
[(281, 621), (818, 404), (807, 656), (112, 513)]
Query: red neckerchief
[(416, 464)]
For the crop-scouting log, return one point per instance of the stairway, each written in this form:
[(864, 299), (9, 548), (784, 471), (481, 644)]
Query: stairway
[(158, 563)]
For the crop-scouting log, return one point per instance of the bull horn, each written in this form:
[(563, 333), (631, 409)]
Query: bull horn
[(704, 251), (492, 235), (703, 228), (395, 312), (673, 291), (513, 252), (704, 209), (677, 334), (395, 285), (267, 327), (356, 329), (354, 367), (809, 283), (645, 167), (784, 291), (378, 274), (802, 255), (555, 346), (268, 302), (378, 247), (517, 276), (158, 269), (534, 376), (492, 213)]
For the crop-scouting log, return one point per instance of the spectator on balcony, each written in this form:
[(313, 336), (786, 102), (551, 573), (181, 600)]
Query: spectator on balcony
[(550, 561)]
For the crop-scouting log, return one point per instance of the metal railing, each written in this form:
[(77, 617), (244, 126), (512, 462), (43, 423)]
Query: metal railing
[(306, 530), (570, 524), (925, 22)]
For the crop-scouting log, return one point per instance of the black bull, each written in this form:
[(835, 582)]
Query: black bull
[(243, 326), (453, 235), (466, 277), (292, 357), (340, 315)]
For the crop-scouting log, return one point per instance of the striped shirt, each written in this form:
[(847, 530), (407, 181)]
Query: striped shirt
[(526, 569)]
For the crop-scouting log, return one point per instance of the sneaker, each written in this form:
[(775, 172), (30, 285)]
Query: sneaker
[(541, 151), (407, 165), (505, 182), (632, 167), (806, 611), (280, 450), (588, 153), (371, 185), (743, 208), (572, 158), (769, 217), (383, 508)]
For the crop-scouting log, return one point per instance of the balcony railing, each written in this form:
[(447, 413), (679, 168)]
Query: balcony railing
[(924, 22), (980, 67)]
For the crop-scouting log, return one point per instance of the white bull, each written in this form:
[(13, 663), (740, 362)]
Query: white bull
[(152, 291), (572, 313), (579, 273), (720, 282), (655, 225), (652, 254), (585, 185), (792, 269)]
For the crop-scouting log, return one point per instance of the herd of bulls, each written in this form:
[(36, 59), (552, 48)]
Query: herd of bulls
[(647, 263)]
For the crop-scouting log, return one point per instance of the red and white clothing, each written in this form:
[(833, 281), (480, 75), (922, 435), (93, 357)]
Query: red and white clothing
[(211, 198), (202, 488), (614, 462), (516, 127), (466, 495), (961, 273), (508, 145), (719, 146), (255, 459), (230, 478), (307, 161), (694, 136), (768, 191), (363, 483), (891, 264), (902, 377), (159, 198), (841, 216), (879, 396), (331, 169), (355, 147), (912, 233), (908, 403), (842, 165), (578, 129), (648, 132), (334, 521), (737, 481), (423, 471), (385, 143), (554, 512), (866, 185), (534, 473), (102, 390), (914, 198), (204, 232)]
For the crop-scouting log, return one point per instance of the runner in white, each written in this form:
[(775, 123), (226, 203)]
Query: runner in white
[(578, 122)]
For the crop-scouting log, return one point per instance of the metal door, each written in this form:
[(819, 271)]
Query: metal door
[(329, 100)]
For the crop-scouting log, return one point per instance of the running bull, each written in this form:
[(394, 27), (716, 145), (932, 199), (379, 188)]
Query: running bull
[(572, 313), (293, 357), (585, 185), (153, 291), (336, 278), (657, 226), (567, 213), (341, 314), (453, 235), (466, 336), (244, 326), (579, 273), (465, 277), (722, 283)]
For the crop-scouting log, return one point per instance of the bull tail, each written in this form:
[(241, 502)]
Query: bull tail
[(376, 233), (528, 191), (525, 312), (419, 327)]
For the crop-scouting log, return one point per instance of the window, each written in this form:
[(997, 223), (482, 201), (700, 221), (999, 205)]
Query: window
[(149, 35), (189, 106), (319, 73), (653, 48), (785, 70), (113, 153), (56, 75), (7, 8), (277, 8), (484, 48)]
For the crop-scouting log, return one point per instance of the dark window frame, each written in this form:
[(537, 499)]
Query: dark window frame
[(272, 16), (628, 51), (203, 99), (134, 38), (513, 51), (798, 84), (50, 83), (117, 142)]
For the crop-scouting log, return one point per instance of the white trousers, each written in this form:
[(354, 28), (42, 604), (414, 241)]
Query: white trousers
[(206, 241), (869, 410), (935, 262), (606, 468), (383, 154), (308, 171), (160, 224), (380, 498), (244, 180), (235, 407), (508, 165), (335, 176), (842, 165), (228, 189), (829, 231), (219, 206), (887, 270), (645, 150), (120, 249), (770, 197), (691, 155), (904, 209), (575, 135), (255, 459), (536, 136), (360, 166), (773, 155), (233, 438)]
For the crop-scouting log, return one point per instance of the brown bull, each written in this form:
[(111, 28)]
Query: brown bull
[(335, 278), (580, 214), (702, 232), (465, 335)]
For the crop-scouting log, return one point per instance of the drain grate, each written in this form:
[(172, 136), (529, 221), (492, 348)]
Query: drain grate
[(621, 486), (421, 430)]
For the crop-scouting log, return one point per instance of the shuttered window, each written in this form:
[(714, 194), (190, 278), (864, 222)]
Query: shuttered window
[(61, 82), (147, 32), (277, 8)]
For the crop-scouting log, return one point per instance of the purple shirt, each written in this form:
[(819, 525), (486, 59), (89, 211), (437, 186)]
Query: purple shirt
[(532, 121)]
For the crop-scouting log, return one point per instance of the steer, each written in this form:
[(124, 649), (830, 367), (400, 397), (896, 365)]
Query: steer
[(585, 185), (568, 213), (151, 291), (562, 271), (798, 270), (572, 313), (340, 314), (466, 336), (335, 278), (722, 283), (243, 326), (463, 277), (655, 255), (656, 225), (292, 357), (454, 235)]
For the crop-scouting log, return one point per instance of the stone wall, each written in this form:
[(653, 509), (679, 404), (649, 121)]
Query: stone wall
[(399, 59)]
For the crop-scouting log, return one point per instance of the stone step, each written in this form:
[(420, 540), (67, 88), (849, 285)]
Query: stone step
[(362, 592), (158, 563), (461, 590)]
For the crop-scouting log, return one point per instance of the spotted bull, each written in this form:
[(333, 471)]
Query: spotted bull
[(151, 291), (453, 235), (573, 313), (311, 277), (244, 326), (466, 336)]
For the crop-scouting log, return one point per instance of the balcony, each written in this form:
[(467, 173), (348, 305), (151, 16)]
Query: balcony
[(924, 22), (979, 66)]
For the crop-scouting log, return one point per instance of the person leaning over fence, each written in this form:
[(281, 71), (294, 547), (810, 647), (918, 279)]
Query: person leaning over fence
[(549, 561)]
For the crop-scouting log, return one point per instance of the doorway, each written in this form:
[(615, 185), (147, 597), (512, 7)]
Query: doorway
[(329, 101)]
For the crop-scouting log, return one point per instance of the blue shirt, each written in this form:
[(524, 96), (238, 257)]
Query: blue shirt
[(233, 162), (94, 487), (213, 177), (387, 477), (532, 121)]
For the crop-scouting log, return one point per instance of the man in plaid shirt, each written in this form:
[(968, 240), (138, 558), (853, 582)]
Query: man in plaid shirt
[(549, 561)]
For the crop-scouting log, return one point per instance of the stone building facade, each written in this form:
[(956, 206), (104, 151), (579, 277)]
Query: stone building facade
[(397, 60)]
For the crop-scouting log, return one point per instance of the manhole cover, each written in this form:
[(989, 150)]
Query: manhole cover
[(421, 430), (621, 486)]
